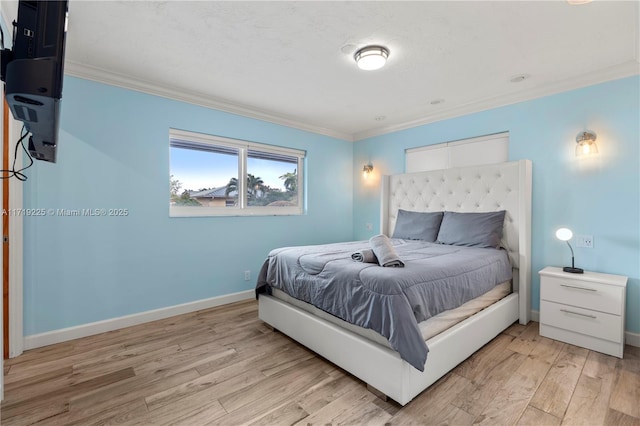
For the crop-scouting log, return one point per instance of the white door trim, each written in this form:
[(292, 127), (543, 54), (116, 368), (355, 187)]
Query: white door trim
[(16, 238)]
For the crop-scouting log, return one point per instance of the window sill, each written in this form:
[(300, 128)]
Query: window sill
[(175, 211)]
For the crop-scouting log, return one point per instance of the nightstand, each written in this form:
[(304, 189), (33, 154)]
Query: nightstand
[(583, 309)]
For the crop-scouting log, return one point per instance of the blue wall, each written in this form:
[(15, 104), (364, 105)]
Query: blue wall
[(114, 153), (598, 197)]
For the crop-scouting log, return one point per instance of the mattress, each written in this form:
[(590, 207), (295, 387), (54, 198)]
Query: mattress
[(428, 328)]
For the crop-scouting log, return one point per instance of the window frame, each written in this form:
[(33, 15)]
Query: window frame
[(242, 209)]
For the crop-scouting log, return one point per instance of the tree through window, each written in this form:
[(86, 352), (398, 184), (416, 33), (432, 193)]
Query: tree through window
[(211, 176)]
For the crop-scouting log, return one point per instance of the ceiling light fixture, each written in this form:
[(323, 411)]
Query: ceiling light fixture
[(371, 57)]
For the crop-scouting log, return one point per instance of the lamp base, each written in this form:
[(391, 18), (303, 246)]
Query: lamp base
[(573, 270)]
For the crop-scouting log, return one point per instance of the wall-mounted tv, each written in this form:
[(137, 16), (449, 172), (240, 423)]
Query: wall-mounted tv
[(33, 71)]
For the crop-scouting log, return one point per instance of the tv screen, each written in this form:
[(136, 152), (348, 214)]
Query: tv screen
[(33, 73)]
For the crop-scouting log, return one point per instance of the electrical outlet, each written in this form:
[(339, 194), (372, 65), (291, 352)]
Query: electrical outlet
[(585, 241), (247, 275)]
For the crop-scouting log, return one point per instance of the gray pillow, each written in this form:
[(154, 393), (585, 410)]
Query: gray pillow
[(472, 229), (417, 225)]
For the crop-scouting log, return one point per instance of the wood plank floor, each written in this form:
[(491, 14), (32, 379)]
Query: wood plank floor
[(224, 366)]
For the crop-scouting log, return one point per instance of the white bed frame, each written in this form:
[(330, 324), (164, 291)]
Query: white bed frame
[(505, 186)]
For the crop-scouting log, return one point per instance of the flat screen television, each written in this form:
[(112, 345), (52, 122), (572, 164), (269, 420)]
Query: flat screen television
[(33, 71)]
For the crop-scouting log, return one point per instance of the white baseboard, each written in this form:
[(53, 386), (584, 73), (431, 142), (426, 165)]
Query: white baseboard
[(64, 334), (535, 316), (631, 339)]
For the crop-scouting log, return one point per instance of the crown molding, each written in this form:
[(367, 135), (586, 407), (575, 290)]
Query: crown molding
[(99, 75), (626, 69)]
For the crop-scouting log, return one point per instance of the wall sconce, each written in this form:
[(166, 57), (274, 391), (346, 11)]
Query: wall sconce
[(586, 144), (565, 234), (366, 170)]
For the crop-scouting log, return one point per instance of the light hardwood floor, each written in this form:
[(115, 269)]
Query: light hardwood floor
[(224, 366)]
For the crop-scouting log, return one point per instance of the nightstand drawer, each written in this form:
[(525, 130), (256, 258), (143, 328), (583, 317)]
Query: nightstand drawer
[(574, 292), (584, 321)]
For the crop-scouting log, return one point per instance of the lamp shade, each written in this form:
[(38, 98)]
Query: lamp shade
[(586, 144), (367, 169), (564, 234)]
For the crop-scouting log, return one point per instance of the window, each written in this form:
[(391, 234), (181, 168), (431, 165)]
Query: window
[(490, 149), (216, 176)]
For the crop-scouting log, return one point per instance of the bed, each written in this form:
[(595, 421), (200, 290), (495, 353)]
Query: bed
[(382, 365)]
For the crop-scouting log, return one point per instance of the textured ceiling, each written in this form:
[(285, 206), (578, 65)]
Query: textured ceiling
[(292, 62)]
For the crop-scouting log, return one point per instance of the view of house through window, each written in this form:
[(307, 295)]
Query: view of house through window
[(211, 175), (271, 192)]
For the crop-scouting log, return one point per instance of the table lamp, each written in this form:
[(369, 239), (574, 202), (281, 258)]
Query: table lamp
[(565, 234)]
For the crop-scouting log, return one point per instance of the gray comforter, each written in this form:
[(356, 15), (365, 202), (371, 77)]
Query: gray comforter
[(390, 301)]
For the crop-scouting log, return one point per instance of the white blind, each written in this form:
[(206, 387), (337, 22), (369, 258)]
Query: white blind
[(192, 140), (489, 149)]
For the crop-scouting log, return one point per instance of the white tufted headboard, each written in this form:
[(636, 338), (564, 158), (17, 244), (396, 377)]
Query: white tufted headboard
[(505, 186)]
